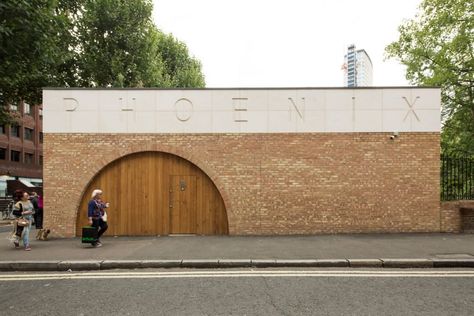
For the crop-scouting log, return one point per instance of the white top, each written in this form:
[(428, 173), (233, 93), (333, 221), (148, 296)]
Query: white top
[(289, 110)]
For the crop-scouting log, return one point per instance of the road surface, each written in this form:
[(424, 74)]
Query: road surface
[(240, 292)]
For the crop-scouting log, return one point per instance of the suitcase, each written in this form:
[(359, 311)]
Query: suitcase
[(89, 235)]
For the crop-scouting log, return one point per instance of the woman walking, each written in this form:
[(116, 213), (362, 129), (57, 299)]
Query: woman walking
[(96, 214), (24, 208), (38, 216)]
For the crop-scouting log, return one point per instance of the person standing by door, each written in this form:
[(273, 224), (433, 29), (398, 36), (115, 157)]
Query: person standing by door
[(95, 213), (34, 200), (40, 212)]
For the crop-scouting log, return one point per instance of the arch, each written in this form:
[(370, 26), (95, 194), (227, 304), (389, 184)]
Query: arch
[(202, 183)]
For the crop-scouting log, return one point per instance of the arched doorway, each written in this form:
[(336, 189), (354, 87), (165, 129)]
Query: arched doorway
[(156, 193)]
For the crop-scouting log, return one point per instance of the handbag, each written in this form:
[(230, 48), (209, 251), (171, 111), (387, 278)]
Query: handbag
[(23, 222), (90, 235)]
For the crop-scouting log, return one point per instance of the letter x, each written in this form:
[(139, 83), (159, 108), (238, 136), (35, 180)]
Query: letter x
[(411, 110)]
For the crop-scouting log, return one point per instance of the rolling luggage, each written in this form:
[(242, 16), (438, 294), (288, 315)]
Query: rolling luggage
[(90, 235)]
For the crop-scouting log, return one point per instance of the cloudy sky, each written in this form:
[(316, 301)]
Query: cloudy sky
[(285, 43)]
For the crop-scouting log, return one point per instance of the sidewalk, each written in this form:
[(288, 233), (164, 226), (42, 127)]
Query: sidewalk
[(4, 223), (375, 250)]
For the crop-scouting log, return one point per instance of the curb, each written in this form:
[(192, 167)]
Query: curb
[(407, 263), (87, 265)]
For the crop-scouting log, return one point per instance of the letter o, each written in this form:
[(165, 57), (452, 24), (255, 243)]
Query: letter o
[(184, 109)]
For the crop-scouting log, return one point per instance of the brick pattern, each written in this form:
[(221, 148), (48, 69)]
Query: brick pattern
[(8, 142), (467, 215), (457, 216), (303, 183)]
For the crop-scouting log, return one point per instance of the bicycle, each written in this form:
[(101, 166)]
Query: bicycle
[(7, 213)]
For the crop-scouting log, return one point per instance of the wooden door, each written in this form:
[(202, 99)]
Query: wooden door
[(138, 189), (183, 205)]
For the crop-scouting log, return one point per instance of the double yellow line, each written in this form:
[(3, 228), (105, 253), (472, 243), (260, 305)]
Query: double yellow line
[(242, 273)]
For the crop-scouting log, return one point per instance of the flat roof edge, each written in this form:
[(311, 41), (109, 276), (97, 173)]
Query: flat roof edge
[(251, 88)]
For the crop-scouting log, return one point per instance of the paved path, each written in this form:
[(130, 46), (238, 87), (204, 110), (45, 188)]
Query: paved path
[(450, 246)]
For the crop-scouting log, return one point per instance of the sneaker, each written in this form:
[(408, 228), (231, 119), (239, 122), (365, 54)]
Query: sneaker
[(17, 244), (97, 245), (27, 248)]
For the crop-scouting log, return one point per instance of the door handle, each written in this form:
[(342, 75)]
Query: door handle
[(171, 198)]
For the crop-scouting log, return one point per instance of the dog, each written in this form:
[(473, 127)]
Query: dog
[(42, 234)]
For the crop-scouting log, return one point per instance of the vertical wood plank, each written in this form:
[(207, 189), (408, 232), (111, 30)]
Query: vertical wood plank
[(137, 187)]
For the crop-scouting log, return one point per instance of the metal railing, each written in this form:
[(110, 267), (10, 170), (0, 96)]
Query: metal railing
[(6, 208), (457, 178)]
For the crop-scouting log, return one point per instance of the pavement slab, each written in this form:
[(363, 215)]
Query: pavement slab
[(349, 250)]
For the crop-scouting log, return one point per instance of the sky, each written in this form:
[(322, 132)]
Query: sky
[(285, 43)]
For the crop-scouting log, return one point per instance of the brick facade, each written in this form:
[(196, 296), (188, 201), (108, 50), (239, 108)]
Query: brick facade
[(277, 183), (452, 220), (23, 145)]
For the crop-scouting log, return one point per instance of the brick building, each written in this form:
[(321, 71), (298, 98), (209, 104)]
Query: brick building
[(21, 146), (244, 161)]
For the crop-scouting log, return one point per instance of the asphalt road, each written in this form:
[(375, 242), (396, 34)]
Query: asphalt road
[(240, 292)]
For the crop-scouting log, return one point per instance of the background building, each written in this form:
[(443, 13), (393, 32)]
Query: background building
[(21, 147), (357, 68)]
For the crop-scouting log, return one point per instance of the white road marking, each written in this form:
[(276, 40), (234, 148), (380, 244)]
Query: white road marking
[(243, 273)]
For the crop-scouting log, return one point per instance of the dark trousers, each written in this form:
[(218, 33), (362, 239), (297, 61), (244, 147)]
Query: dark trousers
[(38, 218), (19, 230), (100, 225)]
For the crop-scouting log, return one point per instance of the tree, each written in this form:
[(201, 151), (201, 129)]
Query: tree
[(120, 46), (93, 43), (179, 69), (33, 48), (115, 44), (437, 46)]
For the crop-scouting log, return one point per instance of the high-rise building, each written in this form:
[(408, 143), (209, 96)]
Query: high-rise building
[(357, 68)]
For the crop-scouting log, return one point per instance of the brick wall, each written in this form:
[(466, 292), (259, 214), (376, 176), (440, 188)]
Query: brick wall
[(301, 183), (452, 217), (23, 145)]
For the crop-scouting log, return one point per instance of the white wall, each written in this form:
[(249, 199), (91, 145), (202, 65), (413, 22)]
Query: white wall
[(241, 110)]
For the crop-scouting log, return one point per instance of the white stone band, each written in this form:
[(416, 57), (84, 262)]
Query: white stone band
[(241, 110)]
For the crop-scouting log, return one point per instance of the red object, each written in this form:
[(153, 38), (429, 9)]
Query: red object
[(40, 201)]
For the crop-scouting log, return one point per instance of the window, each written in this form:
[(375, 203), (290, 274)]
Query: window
[(14, 107), (29, 133), (41, 137), (3, 154), (29, 158), (2, 129), (40, 111), (15, 131), (15, 156), (26, 108), (41, 160)]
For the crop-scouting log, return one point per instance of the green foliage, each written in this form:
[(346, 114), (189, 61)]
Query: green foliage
[(437, 48), (96, 43), (179, 69), (6, 117), (121, 47), (30, 32), (115, 44)]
